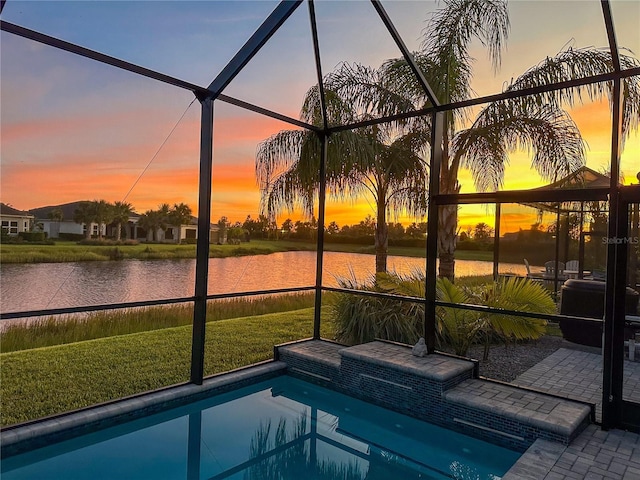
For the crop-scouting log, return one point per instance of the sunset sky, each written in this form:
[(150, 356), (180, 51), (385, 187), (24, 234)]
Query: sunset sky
[(73, 129)]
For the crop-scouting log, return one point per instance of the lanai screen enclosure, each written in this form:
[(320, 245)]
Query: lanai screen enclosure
[(430, 109)]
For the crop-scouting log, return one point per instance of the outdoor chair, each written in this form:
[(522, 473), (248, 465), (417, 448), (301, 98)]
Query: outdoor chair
[(532, 276), (572, 270), (572, 265)]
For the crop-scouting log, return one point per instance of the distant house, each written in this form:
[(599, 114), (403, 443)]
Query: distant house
[(53, 228), (15, 221), (172, 234)]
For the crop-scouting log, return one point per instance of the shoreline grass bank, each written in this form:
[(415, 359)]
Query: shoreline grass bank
[(76, 375), (66, 329), (66, 251)]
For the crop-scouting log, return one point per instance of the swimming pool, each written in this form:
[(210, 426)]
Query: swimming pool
[(282, 428)]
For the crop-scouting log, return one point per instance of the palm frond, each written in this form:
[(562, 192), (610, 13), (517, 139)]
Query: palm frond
[(450, 30), (366, 91), (449, 84), (503, 127), (448, 35), (577, 63), (456, 327), (361, 319), (520, 294), (278, 154)]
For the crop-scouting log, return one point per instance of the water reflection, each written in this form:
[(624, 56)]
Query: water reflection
[(61, 285)]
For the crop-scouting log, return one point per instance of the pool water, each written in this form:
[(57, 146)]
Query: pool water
[(282, 428)]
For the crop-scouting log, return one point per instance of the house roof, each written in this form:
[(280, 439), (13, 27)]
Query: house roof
[(8, 210), (68, 210)]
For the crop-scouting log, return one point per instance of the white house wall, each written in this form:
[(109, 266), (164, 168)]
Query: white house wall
[(15, 224), (53, 229)]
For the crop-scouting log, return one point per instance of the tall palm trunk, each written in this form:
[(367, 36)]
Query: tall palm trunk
[(118, 232), (447, 214), (381, 237), (447, 222)]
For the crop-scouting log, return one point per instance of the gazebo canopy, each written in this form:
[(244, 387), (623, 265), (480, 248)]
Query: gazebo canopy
[(584, 177)]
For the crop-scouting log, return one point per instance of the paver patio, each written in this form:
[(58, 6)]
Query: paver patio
[(595, 454)]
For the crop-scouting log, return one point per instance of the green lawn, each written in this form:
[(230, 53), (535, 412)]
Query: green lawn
[(45, 381)]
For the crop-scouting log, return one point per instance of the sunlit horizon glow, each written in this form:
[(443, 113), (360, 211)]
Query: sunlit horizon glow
[(72, 129)]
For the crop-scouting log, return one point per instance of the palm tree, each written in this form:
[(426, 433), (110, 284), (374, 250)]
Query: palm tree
[(103, 212), (180, 214), (56, 215), (121, 213), (151, 221), (360, 161), (537, 123), (163, 216), (381, 162), (85, 214), (279, 453)]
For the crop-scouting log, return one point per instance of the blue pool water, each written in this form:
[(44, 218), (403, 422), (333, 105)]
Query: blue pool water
[(283, 428)]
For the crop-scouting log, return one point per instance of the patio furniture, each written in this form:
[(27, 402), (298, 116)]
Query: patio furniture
[(550, 270), (572, 270), (572, 265), (538, 277), (585, 298)]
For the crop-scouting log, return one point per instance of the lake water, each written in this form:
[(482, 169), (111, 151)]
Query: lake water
[(61, 285)]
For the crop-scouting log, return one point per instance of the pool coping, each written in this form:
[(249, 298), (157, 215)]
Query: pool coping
[(433, 367), (537, 462), (20, 438)]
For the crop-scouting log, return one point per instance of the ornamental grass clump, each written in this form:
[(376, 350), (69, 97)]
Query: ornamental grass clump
[(360, 318)]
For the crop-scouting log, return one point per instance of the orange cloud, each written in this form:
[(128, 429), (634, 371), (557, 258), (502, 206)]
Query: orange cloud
[(246, 128)]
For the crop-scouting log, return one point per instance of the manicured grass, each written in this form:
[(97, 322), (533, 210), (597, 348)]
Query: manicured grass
[(68, 328), (45, 381)]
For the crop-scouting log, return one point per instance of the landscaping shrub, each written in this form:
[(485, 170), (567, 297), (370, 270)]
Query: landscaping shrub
[(74, 237), (33, 236), (362, 318)]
